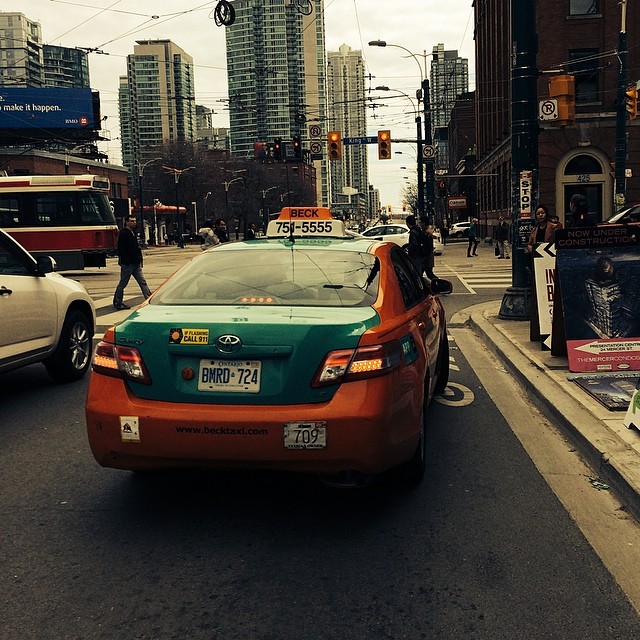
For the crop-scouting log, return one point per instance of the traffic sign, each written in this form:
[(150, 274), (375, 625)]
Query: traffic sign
[(315, 131), (548, 109), (363, 140), (428, 151)]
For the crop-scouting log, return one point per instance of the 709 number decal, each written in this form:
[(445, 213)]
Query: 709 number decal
[(305, 435)]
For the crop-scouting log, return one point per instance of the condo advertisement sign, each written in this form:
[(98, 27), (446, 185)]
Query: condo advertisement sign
[(598, 270)]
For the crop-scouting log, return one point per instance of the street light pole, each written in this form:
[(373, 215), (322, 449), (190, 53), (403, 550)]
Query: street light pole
[(176, 177), (524, 152), (226, 197), (419, 157), (141, 168), (423, 93), (264, 198)]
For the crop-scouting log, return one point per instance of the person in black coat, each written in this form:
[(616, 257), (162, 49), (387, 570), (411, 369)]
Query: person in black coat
[(130, 261)]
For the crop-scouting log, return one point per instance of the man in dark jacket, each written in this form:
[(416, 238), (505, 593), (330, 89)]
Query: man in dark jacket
[(130, 261), (418, 246)]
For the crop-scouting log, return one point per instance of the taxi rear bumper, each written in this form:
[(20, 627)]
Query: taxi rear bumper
[(370, 428)]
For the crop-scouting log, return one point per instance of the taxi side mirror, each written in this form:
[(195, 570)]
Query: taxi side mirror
[(439, 285)]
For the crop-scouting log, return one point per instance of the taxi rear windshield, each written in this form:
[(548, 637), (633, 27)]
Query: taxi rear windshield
[(274, 277)]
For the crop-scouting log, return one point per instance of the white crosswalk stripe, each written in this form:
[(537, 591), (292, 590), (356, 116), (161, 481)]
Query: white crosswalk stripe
[(489, 278)]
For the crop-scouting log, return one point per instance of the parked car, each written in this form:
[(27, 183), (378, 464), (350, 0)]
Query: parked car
[(459, 229), (45, 318), (393, 232), (308, 350), (626, 215)]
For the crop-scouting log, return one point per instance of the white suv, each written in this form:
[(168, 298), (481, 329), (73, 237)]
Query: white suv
[(459, 229), (44, 317)]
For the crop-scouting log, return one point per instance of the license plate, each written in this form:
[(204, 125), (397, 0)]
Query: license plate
[(305, 435), (241, 376)]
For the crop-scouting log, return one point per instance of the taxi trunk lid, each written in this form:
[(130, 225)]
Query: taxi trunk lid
[(239, 354)]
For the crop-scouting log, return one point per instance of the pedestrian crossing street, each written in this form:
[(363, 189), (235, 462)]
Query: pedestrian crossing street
[(477, 276)]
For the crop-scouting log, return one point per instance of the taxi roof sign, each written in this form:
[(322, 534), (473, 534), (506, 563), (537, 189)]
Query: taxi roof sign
[(306, 222), (305, 213)]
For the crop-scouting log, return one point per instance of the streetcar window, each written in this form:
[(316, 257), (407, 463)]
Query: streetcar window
[(8, 212), (93, 209), (55, 209)]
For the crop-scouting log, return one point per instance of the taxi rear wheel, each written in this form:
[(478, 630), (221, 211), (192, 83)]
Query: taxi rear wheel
[(443, 366), (413, 470)]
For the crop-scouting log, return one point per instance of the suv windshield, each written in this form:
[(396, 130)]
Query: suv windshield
[(275, 276)]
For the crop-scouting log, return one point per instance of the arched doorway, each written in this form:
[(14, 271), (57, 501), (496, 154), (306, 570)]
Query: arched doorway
[(585, 173)]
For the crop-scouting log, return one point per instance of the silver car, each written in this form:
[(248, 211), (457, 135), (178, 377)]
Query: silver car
[(45, 317)]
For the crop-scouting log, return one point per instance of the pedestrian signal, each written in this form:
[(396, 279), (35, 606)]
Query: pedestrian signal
[(384, 145), (631, 102), (334, 141)]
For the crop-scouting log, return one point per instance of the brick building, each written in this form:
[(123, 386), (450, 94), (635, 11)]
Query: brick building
[(578, 38)]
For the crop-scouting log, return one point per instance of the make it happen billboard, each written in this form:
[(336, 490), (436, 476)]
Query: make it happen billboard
[(48, 108)]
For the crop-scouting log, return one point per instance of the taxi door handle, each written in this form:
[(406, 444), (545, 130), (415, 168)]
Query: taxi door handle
[(5, 292)]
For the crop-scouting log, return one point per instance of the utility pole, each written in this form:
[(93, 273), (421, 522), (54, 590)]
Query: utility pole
[(621, 112), (524, 152), (428, 141)]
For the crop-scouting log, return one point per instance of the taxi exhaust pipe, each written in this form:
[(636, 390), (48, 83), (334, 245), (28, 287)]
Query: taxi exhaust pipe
[(348, 479)]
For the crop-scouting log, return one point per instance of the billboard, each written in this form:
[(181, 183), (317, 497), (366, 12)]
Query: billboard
[(599, 271), (47, 108)]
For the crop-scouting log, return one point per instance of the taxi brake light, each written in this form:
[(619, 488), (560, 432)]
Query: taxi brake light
[(120, 362), (357, 364)]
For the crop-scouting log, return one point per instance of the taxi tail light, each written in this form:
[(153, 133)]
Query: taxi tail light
[(120, 362), (346, 365)]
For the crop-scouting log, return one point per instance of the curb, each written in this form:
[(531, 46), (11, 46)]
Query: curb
[(569, 408)]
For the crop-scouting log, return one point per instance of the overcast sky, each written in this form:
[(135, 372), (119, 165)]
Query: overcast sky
[(113, 26)]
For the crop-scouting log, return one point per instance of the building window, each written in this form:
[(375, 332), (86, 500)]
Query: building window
[(584, 66), (584, 7)]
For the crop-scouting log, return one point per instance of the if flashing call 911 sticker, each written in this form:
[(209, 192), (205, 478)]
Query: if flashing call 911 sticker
[(188, 336)]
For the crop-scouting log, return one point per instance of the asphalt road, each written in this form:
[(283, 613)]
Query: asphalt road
[(483, 549)]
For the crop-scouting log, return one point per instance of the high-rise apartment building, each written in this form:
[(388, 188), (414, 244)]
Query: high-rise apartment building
[(349, 177), (449, 79), (276, 77), (156, 100), (65, 67), (21, 55)]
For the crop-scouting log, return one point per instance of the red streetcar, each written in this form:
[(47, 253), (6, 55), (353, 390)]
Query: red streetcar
[(66, 217)]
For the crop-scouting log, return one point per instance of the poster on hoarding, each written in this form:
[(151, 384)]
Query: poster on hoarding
[(598, 272), (544, 273)]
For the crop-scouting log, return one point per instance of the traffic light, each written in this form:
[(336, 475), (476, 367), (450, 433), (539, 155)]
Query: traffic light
[(334, 140), (631, 102), (297, 147), (563, 89), (442, 188), (384, 145), (277, 148)]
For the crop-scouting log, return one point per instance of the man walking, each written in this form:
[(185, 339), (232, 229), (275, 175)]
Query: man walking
[(502, 235), (130, 261)]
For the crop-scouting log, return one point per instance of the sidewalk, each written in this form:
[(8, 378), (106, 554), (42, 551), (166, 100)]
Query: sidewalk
[(612, 450)]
